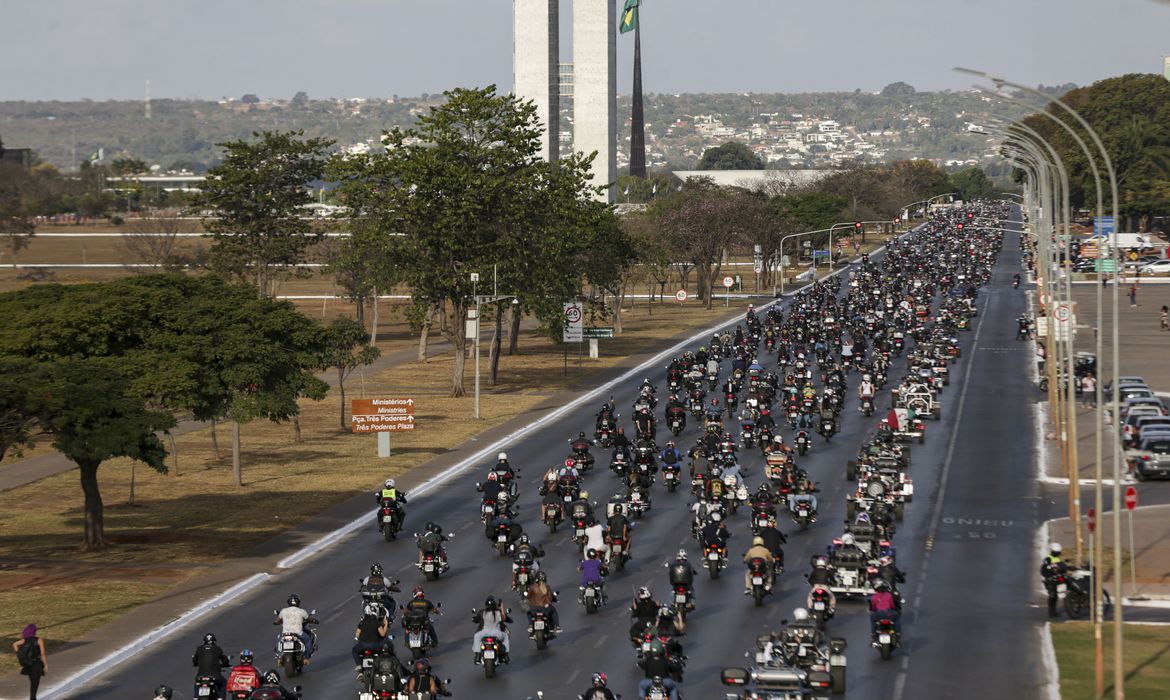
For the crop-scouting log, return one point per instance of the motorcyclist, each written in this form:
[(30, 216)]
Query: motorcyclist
[(524, 553), (431, 542), (597, 689), (802, 630), (644, 423), (758, 551), (515, 530), (621, 444), (392, 496), (671, 456), (890, 573), (682, 574), (370, 632), (490, 623), (209, 660), (773, 541), (271, 689), (243, 678), (388, 671), (593, 571), (580, 445), (504, 468), (294, 619), (418, 611), (497, 493), (763, 500), (643, 612), (715, 532), (866, 389), (766, 421), (1051, 567), (595, 539), (822, 571), (421, 680), (163, 692), (377, 587), (540, 599), (618, 526), (657, 664), (581, 509), (883, 605)]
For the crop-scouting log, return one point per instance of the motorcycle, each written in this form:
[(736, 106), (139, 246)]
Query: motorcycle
[(638, 503), (604, 435), (828, 428), (670, 476), (552, 514), (759, 577), (884, 638), (523, 577), (682, 602), (540, 629), (591, 598), (867, 406), (206, 687), (716, 558), (618, 552), (491, 653), (579, 526), (747, 435), (431, 565), (290, 652), (391, 518), (620, 465), (417, 635), (802, 513), (677, 422), (657, 690), (500, 538), (821, 610), (762, 519), (802, 442)]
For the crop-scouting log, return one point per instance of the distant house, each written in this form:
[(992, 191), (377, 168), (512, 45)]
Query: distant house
[(21, 156)]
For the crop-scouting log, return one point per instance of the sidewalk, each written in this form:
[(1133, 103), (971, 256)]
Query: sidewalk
[(199, 592)]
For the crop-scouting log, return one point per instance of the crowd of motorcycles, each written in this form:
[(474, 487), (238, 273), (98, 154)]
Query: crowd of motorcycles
[(781, 381)]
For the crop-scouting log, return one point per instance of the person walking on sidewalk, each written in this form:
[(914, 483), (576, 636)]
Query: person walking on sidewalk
[(30, 652), (1089, 390), (1133, 295), (1165, 314)]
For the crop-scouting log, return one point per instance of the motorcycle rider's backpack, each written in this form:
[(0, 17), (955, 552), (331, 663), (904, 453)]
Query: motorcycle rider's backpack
[(387, 674), (429, 543), (680, 574)]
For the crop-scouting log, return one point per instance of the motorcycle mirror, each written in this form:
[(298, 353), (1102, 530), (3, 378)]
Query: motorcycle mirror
[(312, 612), (450, 535), (478, 485)]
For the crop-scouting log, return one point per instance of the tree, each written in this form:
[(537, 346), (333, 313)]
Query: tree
[(93, 411), (898, 89), (128, 166), (250, 99), (732, 155), (809, 210), (255, 197), (972, 183), (300, 99), (154, 241), (346, 348), (16, 219)]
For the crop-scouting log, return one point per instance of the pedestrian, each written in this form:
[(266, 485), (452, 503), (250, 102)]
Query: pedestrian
[(1165, 317), (1089, 389), (30, 652), (1133, 295)]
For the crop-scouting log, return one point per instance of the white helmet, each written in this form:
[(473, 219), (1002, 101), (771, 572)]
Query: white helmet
[(847, 538), (502, 457), (800, 615), (1055, 548), (778, 439), (389, 483), (716, 517)]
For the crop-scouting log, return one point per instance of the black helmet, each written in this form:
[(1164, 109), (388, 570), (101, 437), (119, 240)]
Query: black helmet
[(163, 691), (490, 603), (388, 645), (294, 601), (432, 527), (422, 667), (209, 638), (271, 677), (246, 656), (581, 435), (375, 569)]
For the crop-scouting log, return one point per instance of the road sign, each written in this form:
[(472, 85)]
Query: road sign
[(1106, 265), (757, 268), (1130, 498), (681, 295), (1091, 520), (574, 322), (381, 415), (597, 332), (728, 281), (1063, 311), (820, 253), (1104, 225)]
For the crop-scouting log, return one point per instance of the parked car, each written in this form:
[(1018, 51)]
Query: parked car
[(1148, 425), (1159, 267), (1151, 458), (1135, 391), (1154, 402)]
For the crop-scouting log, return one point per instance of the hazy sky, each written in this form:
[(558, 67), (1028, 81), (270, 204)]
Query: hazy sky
[(68, 49)]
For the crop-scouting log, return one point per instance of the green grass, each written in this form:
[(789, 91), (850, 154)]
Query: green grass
[(1146, 654)]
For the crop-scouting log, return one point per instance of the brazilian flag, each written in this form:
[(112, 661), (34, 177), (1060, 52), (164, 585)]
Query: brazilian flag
[(630, 16)]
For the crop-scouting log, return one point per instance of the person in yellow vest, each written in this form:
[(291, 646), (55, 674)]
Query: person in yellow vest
[(390, 495)]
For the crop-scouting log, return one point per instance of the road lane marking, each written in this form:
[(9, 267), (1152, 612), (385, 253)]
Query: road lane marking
[(598, 644), (572, 676)]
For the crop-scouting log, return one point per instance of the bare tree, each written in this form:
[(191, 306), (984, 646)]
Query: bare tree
[(155, 241)]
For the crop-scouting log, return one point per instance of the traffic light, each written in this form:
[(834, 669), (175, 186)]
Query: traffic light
[(859, 229)]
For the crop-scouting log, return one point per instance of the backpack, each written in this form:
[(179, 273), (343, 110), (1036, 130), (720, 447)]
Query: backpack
[(29, 653), (429, 543)]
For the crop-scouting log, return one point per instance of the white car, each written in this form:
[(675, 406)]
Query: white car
[(1156, 268)]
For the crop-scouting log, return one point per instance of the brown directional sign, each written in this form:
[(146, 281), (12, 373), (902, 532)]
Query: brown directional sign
[(382, 415)]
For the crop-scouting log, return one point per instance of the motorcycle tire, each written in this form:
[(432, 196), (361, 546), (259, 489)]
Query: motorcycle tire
[(541, 640), (850, 509), (818, 617), (416, 653), (1075, 604), (803, 522), (502, 548), (713, 569), (288, 663), (590, 606), (899, 511), (621, 563), (758, 595), (851, 470), (837, 680), (886, 650), (671, 486), (921, 438), (489, 668)]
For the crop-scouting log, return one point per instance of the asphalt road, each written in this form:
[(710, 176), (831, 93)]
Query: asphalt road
[(967, 544)]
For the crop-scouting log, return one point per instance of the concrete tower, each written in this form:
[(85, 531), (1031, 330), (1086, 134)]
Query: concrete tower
[(595, 86), (536, 60)]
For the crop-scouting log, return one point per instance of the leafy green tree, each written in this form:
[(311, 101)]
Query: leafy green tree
[(732, 155), (972, 183), (346, 348), (128, 166), (809, 210), (898, 89), (93, 411), (254, 198)]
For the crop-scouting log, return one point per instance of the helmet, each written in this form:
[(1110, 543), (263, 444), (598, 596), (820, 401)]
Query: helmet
[(541, 576), (388, 644), (489, 603), (294, 601), (682, 554), (375, 569), (502, 457), (389, 483), (371, 610), (670, 443), (600, 680), (820, 561), (209, 638), (778, 439), (880, 585), (581, 435), (271, 677), (757, 541), (432, 527), (863, 518), (886, 560), (800, 615), (165, 693), (643, 593), (1055, 548), (584, 496), (417, 592), (656, 647), (491, 476), (422, 667), (716, 517), (764, 488), (523, 539), (591, 554), (847, 538), (619, 509), (246, 656)]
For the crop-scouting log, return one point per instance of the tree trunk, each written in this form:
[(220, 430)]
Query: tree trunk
[(424, 336), (341, 392), (619, 297), (458, 336), (174, 454), (133, 474), (374, 324), (95, 523), (297, 428), (494, 372), (514, 333), (214, 439), (236, 453), (360, 310)]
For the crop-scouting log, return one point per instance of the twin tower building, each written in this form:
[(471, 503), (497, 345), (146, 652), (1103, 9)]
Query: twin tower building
[(536, 76)]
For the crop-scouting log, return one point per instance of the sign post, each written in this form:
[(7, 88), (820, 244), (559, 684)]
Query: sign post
[(728, 281), (1131, 501), (1091, 523), (382, 416)]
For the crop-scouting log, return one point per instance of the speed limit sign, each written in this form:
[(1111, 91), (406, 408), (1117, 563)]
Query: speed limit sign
[(728, 281), (681, 295)]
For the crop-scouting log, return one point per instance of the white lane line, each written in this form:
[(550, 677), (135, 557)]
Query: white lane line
[(1048, 658), (572, 676), (601, 641)]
